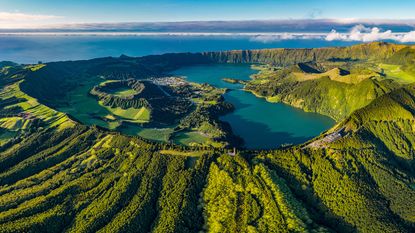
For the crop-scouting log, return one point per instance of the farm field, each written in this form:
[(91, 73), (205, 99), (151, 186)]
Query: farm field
[(196, 154)]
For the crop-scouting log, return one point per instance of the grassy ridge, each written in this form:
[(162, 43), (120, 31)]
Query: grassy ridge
[(329, 97), (282, 57), (141, 115), (330, 81), (61, 176)]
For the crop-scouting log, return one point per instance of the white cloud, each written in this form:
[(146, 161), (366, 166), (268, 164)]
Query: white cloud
[(408, 37), (334, 35), (272, 37), (17, 16), (357, 33), (365, 34), (14, 20), (362, 33)]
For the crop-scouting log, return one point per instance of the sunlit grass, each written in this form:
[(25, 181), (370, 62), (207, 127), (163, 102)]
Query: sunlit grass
[(396, 73), (34, 109)]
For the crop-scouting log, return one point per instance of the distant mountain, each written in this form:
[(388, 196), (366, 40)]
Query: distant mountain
[(6, 63)]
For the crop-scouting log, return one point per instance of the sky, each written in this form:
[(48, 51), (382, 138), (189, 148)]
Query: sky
[(37, 13)]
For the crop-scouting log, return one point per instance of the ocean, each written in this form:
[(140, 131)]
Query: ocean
[(34, 48)]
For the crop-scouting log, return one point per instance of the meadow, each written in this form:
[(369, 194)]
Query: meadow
[(58, 174)]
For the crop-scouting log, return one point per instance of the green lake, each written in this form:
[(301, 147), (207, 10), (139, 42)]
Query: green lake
[(260, 123)]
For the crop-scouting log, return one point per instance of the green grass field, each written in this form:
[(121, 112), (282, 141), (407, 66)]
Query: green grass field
[(89, 111), (273, 99), (84, 107), (183, 153), (396, 73), (123, 92), (14, 123), (140, 115), (189, 138), (162, 135), (201, 101), (31, 106)]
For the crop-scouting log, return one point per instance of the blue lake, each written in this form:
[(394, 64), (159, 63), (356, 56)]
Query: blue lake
[(261, 124)]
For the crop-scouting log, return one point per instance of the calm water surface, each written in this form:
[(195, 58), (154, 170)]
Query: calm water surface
[(31, 49), (261, 124)]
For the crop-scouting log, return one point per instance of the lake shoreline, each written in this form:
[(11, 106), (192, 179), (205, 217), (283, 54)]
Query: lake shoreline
[(261, 124)]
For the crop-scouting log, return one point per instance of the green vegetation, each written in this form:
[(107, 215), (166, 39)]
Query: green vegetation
[(396, 73), (58, 175), (332, 88), (124, 92), (234, 81), (323, 95), (141, 115), (190, 138), (375, 51), (103, 92), (156, 134), (330, 81)]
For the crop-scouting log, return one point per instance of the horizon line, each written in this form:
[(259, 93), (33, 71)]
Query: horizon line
[(340, 21)]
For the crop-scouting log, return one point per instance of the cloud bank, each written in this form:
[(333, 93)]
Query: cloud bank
[(264, 31), (365, 34), (271, 37), (24, 20), (17, 16), (359, 33), (258, 26)]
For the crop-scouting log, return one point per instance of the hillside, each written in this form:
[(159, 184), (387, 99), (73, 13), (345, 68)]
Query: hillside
[(327, 93), (60, 175), (331, 81), (283, 57)]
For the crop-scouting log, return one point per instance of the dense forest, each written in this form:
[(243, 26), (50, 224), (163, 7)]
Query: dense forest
[(58, 175)]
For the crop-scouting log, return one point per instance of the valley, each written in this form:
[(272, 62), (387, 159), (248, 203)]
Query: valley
[(261, 125), (273, 140)]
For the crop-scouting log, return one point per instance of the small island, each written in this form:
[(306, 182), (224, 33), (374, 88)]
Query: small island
[(234, 81)]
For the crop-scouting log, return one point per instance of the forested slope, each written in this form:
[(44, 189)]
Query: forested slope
[(57, 175), (83, 179), (284, 57)]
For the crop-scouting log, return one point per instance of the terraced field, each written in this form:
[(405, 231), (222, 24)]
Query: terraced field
[(33, 109), (61, 175)]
